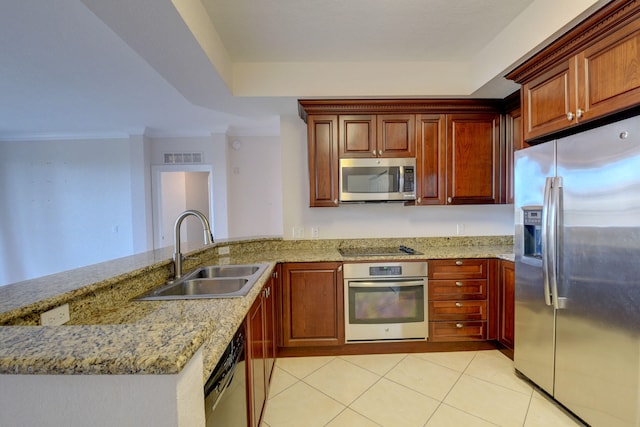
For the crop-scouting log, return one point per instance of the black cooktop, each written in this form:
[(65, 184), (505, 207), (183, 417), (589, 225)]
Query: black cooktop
[(378, 251)]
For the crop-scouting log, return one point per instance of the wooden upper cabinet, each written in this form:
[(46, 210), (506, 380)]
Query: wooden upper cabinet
[(358, 136), (591, 72), (609, 73), (548, 99), (367, 135), (396, 135), (322, 134), (430, 164), (473, 159)]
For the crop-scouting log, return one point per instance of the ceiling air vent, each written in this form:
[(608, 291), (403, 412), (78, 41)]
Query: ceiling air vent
[(182, 158)]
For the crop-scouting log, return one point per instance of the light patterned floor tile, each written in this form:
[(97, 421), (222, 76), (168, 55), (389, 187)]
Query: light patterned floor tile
[(489, 401), (542, 413), (496, 368), (392, 405), (349, 418), (425, 377), (301, 405), (341, 380), (376, 363), (280, 380), (447, 416), (300, 367), (456, 360)]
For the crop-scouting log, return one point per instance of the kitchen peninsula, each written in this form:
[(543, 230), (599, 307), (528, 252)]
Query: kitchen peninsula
[(114, 352)]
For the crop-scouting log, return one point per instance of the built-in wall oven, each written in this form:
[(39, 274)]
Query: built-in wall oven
[(385, 301)]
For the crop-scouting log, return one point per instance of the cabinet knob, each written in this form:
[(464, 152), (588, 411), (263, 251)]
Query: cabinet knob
[(459, 284), (335, 201), (449, 200), (379, 152), (419, 200), (458, 262), (459, 325), (374, 153), (570, 116), (579, 113), (339, 268), (458, 304)]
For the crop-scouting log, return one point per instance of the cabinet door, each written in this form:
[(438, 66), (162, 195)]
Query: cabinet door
[(473, 159), (270, 336), (256, 361), (312, 304), (609, 73), (396, 135), (548, 99), (323, 160), (357, 136), (507, 303), (513, 142), (430, 160)]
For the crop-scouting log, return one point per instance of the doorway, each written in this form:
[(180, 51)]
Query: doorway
[(176, 188)]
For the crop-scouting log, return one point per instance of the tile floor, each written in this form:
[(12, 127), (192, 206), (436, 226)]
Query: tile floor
[(476, 388)]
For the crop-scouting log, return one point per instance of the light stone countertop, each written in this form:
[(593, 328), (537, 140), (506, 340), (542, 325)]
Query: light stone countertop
[(120, 336)]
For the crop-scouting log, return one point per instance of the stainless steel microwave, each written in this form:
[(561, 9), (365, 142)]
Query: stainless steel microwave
[(377, 179)]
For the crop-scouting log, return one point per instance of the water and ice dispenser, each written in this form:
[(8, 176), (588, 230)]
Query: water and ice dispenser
[(532, 231)]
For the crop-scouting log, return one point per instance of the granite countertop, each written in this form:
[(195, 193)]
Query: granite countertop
[(160, 337)]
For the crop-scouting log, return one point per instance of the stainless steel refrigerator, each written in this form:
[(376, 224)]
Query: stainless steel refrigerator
[(577, 253)]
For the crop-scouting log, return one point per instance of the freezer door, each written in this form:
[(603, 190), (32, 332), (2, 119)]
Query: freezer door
[(598, 325), (534, 319)]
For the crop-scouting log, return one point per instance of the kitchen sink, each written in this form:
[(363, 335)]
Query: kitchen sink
[(215, 281), (225, 271)]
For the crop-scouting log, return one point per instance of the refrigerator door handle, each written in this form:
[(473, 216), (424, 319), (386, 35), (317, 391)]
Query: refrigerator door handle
[(553, 239), (555, 227), (546, 244)]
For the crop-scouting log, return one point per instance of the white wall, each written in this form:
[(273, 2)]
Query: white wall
[(63, 204), (254, 182), (214, 149), (372, 220)]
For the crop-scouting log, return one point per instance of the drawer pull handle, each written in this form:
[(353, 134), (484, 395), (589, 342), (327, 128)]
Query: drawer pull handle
[(458, 304), (458, 262), (458, 283), (459, 325)]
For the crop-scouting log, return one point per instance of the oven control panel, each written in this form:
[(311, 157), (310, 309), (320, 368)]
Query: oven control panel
[(385, 270)]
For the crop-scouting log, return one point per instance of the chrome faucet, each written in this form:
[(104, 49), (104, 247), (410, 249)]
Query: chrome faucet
[(177, 255)]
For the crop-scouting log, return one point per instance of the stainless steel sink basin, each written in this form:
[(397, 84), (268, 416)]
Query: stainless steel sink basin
[(225, 271), (215, 281)]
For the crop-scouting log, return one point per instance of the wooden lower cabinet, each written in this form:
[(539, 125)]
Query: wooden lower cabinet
[(506, 286), (312, 304), (260, 351), (458, 291)]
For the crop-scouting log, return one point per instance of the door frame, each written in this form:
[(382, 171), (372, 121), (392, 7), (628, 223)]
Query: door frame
[(156, 195)]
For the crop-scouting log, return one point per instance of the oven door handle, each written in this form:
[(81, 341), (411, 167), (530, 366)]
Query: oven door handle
[(386, 284)]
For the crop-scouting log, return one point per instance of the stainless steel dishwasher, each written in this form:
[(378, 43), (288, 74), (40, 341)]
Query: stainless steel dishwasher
[(226, 389)]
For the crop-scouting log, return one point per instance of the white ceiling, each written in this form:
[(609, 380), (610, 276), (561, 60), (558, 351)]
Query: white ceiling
[(112, 68)]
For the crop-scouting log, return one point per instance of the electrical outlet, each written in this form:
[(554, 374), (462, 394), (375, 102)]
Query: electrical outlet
[(56, 316), (298, 232), (460, 229), (223, 250), (314, 232)]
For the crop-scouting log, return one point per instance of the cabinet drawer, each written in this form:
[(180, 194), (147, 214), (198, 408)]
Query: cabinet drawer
[(458, 310), (458, 269), (441, 290), (457, 331)]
